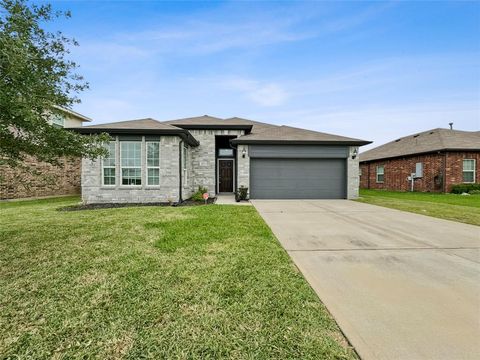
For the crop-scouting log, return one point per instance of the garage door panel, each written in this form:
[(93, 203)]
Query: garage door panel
[(297, 178)]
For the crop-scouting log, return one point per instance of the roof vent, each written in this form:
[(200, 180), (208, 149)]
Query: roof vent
[(415, 136), (451, 125), (431, 132), (398, 140)]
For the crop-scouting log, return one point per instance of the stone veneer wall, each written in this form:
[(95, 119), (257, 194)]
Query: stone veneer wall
[(94, 192), (243, 166), (203, 157), (38, 179), (353, 181)]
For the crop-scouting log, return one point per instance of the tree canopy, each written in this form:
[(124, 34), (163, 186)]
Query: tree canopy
[(36, 78)]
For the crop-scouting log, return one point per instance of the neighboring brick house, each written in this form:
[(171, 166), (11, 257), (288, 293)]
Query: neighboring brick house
[(439, 158), (37, 179)]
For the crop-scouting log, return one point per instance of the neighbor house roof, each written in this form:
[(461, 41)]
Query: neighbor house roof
[(256, 132), (287, 134), (73, 113), (425, 142)]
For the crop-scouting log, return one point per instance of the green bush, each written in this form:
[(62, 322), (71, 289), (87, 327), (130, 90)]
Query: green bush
[(474, 192), (198, 195), (464, 188), (241, 193)]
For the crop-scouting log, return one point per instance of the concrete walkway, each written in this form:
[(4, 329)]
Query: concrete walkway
[(229, 200), (400, 285)]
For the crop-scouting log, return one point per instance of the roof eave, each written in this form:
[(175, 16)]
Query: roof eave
[(299, 142), (183, 134), (214, 127), (418, 153)]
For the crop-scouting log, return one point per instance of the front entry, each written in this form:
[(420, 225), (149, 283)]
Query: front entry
[(225, 175)]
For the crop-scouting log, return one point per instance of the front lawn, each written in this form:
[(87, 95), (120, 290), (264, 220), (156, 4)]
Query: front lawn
[(153, 282), (454, 207)]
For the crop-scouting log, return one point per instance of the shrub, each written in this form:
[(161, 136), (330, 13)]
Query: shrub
[(241, 193), (474, 192), (198, 195), (464, 188)]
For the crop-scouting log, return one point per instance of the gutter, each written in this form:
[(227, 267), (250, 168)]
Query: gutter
[(182, 133), (300, 142)]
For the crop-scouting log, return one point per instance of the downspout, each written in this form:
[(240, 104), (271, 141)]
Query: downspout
[(180, 145), (445, 173), (368, 175)]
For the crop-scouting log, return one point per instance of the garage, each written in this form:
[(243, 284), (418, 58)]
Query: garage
[(298, 172)]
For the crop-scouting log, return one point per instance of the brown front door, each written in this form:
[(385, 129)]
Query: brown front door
[(225, 176)]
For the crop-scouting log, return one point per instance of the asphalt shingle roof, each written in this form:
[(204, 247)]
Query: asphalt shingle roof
[(259, 132), (424, 142)]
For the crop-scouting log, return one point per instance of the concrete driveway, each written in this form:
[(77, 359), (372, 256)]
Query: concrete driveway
[(400, 285)]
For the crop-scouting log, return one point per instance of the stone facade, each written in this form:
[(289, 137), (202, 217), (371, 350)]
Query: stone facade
[(440, 172), (168, 191), (243, 167), (203, 158), (39, 179), (352, 174)]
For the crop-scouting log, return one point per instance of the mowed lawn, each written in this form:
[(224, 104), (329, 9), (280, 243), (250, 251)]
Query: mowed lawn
[(153, 282), (454, 207)]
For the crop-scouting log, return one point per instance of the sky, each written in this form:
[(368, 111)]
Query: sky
[(370, 70)]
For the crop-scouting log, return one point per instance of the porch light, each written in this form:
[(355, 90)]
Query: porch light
[(354, 154), (244, 152)]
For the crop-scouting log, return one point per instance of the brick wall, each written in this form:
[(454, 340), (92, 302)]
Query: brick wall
[(397, 170), (37, 179)]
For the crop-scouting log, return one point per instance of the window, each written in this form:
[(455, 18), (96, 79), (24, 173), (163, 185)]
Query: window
[(184, 163), (418, 170), (225, 152), (380, 174), (131, 162), (58, 120), (153, 163), (108, 166), (469, 170)]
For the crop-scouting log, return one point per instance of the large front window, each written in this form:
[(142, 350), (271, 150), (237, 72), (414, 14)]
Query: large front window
[(153, 163), (469, 170), (131, 162)]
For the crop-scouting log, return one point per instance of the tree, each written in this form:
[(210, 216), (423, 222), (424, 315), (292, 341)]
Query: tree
[(36, 78)]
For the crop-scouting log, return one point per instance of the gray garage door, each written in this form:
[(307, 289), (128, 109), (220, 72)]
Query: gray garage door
[(297, 178)]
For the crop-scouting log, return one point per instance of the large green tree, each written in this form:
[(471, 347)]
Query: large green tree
[(37, 77)]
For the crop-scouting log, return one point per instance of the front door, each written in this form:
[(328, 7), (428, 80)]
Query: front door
[(225, 175)]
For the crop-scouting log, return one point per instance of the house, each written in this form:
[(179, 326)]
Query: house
[(154, 161), (438, 158), (38, 179)]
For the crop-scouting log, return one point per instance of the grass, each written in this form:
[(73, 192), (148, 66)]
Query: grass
[(454, 207), (153, 282)]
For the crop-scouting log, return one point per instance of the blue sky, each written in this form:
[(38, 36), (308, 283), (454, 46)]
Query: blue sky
[(373, 70)]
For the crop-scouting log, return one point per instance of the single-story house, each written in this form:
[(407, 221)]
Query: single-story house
[(438, 158), (37, 179), (166, 161)]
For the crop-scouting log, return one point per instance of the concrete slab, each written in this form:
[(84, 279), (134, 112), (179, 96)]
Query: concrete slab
[(400, 285), (230, 200)]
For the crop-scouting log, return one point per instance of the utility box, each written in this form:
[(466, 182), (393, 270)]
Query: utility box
[(418, 170)]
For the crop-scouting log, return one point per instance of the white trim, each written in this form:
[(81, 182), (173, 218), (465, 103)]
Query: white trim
[(152, 167), (185, 167), (474, 171), (383, 173), (130, 167), (110, 167), (218, 175)]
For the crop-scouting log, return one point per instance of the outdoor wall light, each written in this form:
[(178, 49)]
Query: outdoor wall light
[(354, 154), (244, 152)]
